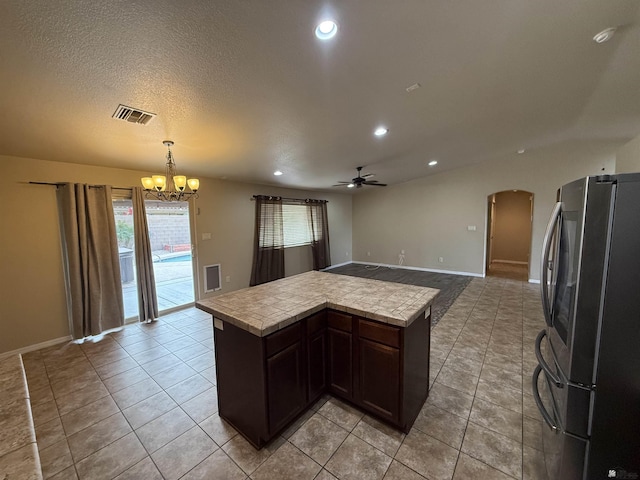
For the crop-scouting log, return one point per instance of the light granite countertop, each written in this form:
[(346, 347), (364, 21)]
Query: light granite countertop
[(269, 307)]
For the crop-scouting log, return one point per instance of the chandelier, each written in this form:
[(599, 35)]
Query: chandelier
[(170, 187)]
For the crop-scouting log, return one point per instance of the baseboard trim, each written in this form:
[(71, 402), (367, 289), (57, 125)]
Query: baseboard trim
[(406, 267), (336, 266), (37, 346), (511, 262)]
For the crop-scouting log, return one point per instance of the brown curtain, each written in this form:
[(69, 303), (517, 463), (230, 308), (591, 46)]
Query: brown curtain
[(92, 268), (268, 249), (319, 226), (147, 299)]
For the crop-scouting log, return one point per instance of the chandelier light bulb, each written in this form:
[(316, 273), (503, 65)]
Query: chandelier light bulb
[(180, 182), (194, 184), (159, 182), (147, 183)]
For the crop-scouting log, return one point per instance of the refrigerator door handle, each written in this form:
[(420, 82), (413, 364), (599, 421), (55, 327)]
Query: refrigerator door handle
[(536, 396), (543, 363), (546, 264)]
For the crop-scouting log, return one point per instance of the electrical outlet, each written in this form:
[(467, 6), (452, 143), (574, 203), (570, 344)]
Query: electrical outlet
[(227, 279), (368, 254), (440, 259), (206, 236)]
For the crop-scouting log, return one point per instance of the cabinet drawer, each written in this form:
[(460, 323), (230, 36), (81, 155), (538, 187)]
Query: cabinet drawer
[(339, 321), (282, 339), (379, 332), (316, 322)]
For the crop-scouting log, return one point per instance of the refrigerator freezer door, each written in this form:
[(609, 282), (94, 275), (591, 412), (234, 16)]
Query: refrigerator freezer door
[(564, 453)]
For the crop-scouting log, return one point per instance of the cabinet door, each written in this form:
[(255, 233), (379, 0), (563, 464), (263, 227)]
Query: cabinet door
[(285, 380), (340, 363), (380, 379), (316, 351)]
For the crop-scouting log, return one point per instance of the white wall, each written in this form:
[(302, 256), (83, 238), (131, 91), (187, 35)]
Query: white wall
[(428, 217), (227, 212), (32, 295), (628, 157)]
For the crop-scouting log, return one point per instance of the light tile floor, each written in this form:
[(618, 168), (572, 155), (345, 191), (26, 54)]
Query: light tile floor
[(141, 404)]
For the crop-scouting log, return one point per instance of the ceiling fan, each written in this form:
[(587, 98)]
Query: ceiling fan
[(361, 180)]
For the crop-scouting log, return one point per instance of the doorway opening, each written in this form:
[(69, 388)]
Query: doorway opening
[(509, 228), (170, 237)]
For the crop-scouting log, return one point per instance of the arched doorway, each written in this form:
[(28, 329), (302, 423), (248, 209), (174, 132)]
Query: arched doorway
[(509, 226)]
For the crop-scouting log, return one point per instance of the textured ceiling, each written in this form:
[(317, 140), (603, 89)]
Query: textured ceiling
[(243, 87)]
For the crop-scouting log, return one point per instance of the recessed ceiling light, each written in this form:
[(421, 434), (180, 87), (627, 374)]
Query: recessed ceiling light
[(521, 151), (605, 35), (433, 163), (351, 185), (326, 30), (277, 173), (380, 131)]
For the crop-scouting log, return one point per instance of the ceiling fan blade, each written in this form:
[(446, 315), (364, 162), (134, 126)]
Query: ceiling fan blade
[(375, 184), (361, 180)]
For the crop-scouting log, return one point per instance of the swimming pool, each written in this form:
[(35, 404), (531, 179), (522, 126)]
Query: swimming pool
[(180, 258)]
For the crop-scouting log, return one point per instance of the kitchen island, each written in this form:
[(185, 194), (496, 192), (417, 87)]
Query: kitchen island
[(279, 346)]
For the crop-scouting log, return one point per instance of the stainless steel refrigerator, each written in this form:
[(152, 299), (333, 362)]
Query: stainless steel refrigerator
[(587, 382)]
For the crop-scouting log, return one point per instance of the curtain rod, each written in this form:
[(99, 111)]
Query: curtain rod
[(289, 198), (59, 184)]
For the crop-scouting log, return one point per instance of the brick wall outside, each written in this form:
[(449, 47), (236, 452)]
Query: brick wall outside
[(168, 225)]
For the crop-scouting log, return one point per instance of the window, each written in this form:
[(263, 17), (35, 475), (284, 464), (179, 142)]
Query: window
[(295, 220)]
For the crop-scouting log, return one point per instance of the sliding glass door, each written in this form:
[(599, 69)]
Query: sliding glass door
[(123, 213), (170, 237)]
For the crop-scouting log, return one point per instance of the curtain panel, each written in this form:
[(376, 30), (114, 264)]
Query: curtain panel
[(319, 227), (91, 259), (268, 248), (147, 299)]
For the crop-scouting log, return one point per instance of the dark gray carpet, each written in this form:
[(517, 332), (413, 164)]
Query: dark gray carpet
[(450, 286)]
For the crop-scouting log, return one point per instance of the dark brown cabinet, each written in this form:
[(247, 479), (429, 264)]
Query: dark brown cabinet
[(340, 367), (340, 354), (379, 379), (317, 355), (264, 383), (379, 368), (286, 386)]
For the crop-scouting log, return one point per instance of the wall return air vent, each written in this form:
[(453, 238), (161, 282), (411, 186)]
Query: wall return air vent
[(133, 115)]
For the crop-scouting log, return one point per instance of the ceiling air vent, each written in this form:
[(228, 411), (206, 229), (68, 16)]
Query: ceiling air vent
[(133, 115)]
